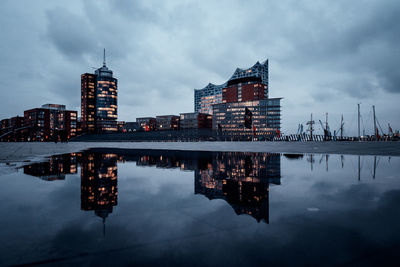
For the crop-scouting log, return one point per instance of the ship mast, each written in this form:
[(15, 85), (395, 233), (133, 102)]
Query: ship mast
[(311, 128), (359, 137), (375, 129)]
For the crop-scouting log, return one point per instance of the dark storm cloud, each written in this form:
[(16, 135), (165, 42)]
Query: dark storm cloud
[(389, 77), (341, 40), (361, 88), (135, 10), (334, 53), (71, 34)]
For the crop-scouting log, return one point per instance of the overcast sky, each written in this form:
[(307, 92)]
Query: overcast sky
[(324, 56)]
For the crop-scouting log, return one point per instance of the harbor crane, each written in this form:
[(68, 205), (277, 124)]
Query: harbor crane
[(299, 132), (327, 132), (300, 129), (390, 130)]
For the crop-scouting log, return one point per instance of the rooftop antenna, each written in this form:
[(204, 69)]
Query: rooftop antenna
[(104, 57)]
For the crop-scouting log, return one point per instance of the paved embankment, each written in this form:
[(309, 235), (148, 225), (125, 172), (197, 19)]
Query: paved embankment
[(11, 152)]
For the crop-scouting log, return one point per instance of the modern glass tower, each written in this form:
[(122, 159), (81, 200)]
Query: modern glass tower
[(246, 90), (206, 97), (106, 100), (213, 94), (99, 100)]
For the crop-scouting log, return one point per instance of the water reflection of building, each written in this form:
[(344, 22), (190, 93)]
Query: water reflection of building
[(54, 169), (99, 176), (241, 179)]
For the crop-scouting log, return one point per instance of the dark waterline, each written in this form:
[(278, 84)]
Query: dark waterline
[(105, 206)]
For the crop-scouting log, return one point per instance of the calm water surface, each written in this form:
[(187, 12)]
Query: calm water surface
[(115, 206)]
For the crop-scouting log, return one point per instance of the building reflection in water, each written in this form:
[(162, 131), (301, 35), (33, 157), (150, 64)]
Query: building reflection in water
[(99, 175), (54, 169), (99, 191), (241, 179)]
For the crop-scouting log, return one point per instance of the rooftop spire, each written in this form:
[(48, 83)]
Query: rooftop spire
[(104, 57)]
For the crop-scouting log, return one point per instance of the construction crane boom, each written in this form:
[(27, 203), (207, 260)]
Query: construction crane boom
[(325, 131)]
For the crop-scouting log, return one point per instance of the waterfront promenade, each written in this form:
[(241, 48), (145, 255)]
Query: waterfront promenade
[(17, 152)]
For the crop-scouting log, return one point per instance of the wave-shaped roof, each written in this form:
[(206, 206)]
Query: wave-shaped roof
[(213, 86), (258, 70)]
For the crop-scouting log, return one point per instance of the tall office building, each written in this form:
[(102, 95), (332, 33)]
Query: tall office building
[(88, 102), (244, 85), (246, 90), (99, 94), (106, 99)]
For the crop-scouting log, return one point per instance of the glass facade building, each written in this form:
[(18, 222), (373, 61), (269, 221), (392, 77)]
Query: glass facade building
[(228, 118), (106, 100), (99, 101), (206, 97), (258, 72), (213, 94), (106, 92), (245, 89)]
